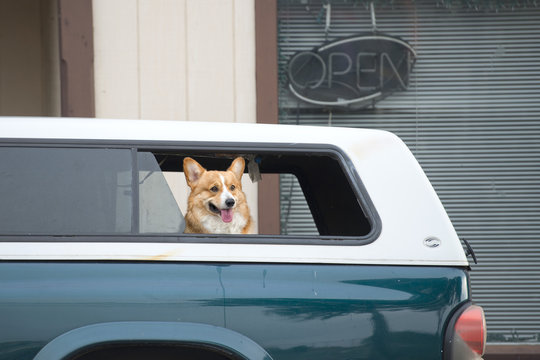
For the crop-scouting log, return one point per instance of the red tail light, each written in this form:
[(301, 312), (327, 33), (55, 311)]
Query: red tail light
[(471, 327), (467, 332)]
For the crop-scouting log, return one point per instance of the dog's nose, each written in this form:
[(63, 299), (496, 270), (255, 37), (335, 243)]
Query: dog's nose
[(229, 203)]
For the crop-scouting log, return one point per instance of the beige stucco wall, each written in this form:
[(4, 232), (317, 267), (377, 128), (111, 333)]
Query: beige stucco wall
[(188, 60)]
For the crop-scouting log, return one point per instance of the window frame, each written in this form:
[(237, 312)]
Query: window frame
[(204, 147)]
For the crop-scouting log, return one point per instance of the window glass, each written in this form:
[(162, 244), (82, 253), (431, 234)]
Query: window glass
[(65, 191), (159, 209)]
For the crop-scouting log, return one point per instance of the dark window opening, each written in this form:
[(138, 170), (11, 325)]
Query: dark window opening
[(162, 351), (334, 204)]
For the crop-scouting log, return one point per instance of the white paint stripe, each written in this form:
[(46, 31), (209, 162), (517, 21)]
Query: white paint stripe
[(225, 194)]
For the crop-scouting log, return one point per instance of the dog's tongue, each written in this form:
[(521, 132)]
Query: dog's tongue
[(226, 215)]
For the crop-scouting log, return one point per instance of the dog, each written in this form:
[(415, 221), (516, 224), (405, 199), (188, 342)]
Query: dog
[(216, 203)]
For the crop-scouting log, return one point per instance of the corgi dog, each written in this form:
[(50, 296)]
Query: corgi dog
[(216, 203)]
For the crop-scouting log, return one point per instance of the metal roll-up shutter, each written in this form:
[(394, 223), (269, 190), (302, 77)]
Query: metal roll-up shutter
[(471, 116)]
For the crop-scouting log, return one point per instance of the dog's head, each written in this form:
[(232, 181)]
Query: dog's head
[(217, 192)]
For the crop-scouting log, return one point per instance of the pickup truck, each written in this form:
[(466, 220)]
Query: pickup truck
[(94, 263)]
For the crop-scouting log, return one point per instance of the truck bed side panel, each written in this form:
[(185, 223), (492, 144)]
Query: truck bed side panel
[(293, 311)]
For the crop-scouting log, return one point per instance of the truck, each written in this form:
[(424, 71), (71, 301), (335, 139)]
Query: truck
[(94, 262)]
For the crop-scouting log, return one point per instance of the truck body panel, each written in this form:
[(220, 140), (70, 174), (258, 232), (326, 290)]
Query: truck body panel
[(292, 311)]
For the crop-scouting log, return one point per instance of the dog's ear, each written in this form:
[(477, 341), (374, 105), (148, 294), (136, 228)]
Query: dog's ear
[(237, 167), (193, 171)]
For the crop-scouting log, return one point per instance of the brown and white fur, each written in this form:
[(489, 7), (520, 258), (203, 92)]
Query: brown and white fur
[(216, 203)]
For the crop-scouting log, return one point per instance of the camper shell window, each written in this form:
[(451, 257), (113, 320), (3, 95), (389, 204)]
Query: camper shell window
[(59, 191), (142, 192)]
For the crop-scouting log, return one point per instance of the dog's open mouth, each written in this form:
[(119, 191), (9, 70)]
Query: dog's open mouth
[(226, 214)]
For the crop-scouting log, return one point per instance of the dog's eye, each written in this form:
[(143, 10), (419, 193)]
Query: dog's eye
[(233, 187), (214, 189)]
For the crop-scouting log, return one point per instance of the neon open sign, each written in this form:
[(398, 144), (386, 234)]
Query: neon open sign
[(351, 72)]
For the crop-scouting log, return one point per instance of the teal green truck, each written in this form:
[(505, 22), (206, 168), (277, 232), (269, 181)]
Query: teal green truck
[(95, 264)]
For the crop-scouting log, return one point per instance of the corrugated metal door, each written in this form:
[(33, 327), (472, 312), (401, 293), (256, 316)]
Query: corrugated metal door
[(471, 115)]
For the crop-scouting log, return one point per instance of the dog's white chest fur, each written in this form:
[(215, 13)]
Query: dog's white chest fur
[(214, 224)]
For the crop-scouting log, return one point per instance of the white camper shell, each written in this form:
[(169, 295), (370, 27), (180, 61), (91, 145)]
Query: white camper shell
[(409, 225)]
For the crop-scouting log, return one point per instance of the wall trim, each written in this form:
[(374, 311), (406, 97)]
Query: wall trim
[(512, 351), (267, 105), (76, 58)]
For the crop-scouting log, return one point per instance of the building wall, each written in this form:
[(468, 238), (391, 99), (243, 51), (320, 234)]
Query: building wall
[(188, 60), (29, 62), (177, 60)]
